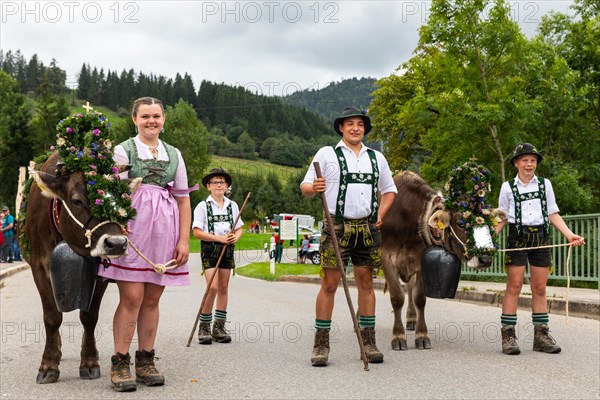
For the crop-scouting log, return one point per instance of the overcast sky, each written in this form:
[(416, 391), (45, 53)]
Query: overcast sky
[(270, 47)]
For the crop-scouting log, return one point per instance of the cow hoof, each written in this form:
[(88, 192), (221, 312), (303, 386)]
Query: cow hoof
[(399, 345), (410, 326), (423, 344), (89, 373), (47, 377)]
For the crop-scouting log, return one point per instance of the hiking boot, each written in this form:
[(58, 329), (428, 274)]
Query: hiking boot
[(542, 341), (509, 340), (204, 333), (219, 334), (373, 354), (320, 353), (145, 371), (120, 375)]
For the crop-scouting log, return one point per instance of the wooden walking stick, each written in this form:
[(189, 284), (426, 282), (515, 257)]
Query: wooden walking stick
[(338, 256), (210, 281)]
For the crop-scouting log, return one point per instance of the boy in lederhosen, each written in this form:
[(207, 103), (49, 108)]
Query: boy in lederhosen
[(213, 220), (530, 205)]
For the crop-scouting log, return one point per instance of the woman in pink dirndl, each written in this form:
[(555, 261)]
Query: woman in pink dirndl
[(160, 231)]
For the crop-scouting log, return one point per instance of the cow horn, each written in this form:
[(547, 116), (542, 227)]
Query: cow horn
[(499, 215), (60, 170), (439, 220)]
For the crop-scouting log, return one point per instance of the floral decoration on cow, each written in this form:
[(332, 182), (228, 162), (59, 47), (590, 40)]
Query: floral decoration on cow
[(84, 143), (465, 193)]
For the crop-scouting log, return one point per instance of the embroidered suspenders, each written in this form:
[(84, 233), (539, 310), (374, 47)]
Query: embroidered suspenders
[(218, 218), (356, 177), (540, 194)]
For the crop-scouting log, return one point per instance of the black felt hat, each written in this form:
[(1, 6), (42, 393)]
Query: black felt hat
[(217, 172), (352, 112), (525, 148)]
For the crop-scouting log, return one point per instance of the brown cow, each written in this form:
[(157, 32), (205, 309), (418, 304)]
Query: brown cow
[(107, 241), (406, 232)]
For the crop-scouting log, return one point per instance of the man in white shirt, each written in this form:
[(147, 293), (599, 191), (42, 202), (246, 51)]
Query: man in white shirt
[(359, 189)]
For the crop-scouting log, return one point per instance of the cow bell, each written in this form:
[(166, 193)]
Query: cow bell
[(440, 270), (73, 278)]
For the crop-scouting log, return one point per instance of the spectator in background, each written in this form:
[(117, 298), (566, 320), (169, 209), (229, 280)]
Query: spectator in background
[(304, 249), (7, 230), (15, 243), (278, 248), (1, 237)]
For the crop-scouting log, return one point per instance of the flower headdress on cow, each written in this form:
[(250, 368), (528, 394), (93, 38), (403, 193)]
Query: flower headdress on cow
[(465, 193), (84, 143)]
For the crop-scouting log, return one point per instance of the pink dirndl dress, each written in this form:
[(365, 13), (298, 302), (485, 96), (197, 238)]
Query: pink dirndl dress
[(155, 232)]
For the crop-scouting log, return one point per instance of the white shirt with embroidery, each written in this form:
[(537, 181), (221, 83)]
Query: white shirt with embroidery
[(221, 228), (358, 195), (531, 210)]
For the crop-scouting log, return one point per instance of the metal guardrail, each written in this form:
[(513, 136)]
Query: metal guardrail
[(585, 260)]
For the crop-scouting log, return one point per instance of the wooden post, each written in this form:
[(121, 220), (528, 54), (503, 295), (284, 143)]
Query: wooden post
[(19, 198)]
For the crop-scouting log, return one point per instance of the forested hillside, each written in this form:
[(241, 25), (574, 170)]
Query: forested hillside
[(331, 99), (215, 119)]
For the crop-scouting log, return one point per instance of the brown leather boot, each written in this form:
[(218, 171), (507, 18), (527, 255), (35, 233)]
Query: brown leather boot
[(120, 375), (542, 341), (204, 336), (145, 370), (374, 356), (509, 340), (219, 334), (320, 352)]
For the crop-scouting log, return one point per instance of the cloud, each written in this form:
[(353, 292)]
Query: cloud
[(269, 44)]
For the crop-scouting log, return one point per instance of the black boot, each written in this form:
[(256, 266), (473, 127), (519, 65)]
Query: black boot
[(509, 340), (204, 336), (320, 352), (145, 370), (542, 341), (372, 352), (219, 334)]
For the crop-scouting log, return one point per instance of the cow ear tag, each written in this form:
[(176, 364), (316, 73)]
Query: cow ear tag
[(441, 225)]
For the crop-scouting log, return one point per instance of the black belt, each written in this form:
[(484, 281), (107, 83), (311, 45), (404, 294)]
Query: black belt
[(528, 228)]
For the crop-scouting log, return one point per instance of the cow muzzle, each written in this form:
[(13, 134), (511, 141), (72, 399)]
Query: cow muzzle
[(483, 261), (110, 246)]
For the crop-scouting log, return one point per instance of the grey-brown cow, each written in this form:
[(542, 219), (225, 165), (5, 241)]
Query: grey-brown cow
[(406, 232), (107, 241)]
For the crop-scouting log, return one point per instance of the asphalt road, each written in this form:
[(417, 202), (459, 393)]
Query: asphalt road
[(271, 326)]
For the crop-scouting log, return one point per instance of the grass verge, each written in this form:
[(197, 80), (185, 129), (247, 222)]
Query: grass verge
[(261, 270), (248, 241)]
